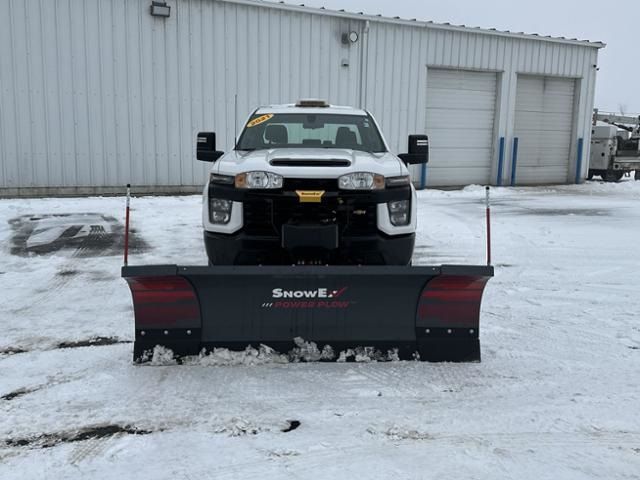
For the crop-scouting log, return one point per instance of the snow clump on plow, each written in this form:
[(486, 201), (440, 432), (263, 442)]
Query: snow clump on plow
[(303, 352)]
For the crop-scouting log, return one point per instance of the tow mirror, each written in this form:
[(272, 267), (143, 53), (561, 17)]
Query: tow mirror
[(418, 150), (206, 147)]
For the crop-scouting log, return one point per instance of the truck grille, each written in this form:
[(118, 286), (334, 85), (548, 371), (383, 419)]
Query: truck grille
[(265, 215), (293, 184)]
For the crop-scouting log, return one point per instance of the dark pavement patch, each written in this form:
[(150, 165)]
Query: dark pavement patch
[(292, 425), (67, 273), (562, 212), (48, 440), (93, 342), (18, 393), (11, 351), (87, 234)]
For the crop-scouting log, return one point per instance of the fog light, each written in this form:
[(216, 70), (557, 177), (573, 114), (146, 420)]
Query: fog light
[(220, 210), (399, 212), (220, 217), (221, 205), (399, 219)]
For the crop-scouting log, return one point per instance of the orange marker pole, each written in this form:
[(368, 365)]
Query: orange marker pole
[(488, 205), (126, 228)]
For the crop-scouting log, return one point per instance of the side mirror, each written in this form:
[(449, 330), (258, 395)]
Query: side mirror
[(418, 150), (206, 147)]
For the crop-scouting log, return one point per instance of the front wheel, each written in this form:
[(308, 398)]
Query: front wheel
[(637, 175), (612, 176)]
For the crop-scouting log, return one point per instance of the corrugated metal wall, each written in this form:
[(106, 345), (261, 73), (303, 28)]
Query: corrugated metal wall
[(98, 93), (398, 97)]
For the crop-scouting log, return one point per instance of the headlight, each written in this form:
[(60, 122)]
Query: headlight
[(399, 212), (398, 181), (221, 179), (260, 180), (361, 181), (220, 210)]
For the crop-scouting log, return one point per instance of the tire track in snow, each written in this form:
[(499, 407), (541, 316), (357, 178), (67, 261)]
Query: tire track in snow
[(53, 382), (66, 273), (443, 234), (389, 380), (526, 440), (90, 449), (311, 462)]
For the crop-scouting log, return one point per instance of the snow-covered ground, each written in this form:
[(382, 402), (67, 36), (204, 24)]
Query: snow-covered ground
[(557, 394)]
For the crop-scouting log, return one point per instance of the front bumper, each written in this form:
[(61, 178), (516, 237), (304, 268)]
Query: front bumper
[(243, 249), (264, 212), (627, 164)]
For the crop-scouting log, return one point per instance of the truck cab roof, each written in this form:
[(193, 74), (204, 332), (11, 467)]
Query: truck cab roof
[(311, 106)]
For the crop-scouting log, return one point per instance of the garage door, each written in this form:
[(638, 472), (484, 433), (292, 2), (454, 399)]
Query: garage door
[(544, 127), (460, 117)]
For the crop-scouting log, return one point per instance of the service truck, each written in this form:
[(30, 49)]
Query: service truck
[(615, 146)]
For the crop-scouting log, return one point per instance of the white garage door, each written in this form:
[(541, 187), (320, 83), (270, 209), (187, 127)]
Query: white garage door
[(544, 127), (460, 117)]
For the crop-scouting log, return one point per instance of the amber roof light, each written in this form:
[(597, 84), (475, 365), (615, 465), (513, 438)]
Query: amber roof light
[(312, 103)]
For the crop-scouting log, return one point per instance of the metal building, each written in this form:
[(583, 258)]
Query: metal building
[(95, 94)]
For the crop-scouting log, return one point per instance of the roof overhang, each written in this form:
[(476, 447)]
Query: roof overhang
[(417, 23)]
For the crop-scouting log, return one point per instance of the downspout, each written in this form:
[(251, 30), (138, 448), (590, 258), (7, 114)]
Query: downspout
[(364, 51)]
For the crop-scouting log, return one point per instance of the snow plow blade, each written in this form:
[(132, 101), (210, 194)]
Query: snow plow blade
[(430, 313)]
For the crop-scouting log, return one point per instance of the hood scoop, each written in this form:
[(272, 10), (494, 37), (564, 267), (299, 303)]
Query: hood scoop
[(306, 162)]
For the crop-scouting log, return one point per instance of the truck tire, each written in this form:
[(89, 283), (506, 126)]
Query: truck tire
[(590, 175), (612, 176), (637, 175)]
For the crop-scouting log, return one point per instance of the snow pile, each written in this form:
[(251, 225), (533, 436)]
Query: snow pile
[(249, 356), (302, 352), (309, 352), (400, 433), (161, 356), (238, 427), (368, 354)]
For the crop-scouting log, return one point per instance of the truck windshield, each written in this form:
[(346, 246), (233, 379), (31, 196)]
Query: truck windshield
[(302, 130)]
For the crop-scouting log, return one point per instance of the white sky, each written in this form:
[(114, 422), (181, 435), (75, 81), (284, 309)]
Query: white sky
[(614, 23)]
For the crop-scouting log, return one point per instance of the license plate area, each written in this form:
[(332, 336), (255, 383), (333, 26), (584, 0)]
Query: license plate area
[(310, 236)]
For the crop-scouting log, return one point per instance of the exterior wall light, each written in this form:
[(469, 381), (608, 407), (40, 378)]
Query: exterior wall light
[(351, 37), (160, 9)]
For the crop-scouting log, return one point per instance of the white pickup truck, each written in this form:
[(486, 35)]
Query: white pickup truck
[(310, 183)]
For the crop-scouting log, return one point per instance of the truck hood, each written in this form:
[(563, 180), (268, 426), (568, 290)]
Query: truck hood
[(310, 162)]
